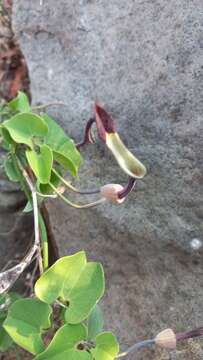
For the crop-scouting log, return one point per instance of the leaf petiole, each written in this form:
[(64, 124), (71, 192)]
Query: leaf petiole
[(44, 240), (71, 187)]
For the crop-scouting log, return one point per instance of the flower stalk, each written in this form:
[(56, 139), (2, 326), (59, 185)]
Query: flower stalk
[(73, 188), (166, 339), (88, 136), (77, 206)]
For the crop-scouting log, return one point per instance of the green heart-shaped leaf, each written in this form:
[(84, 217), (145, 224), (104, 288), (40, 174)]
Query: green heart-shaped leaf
[(24, 126), (41, 164), (64, 150), (6, 136), (106, 348), (10, 170), (5, 339), (74, 280), (64, 344), (46, 188), (95, 322), (20, 103), (25, 321), (62, 159)]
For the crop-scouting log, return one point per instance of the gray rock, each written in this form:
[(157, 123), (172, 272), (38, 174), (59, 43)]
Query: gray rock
[(144, 61)]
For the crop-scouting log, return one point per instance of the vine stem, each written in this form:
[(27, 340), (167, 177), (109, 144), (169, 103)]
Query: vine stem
[(88, 136), (46, 195), (77, 206), (44, 106), (36, 216), (9, 277), (73, 188), (45, 247)]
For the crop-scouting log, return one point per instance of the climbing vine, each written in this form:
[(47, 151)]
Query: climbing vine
[(39, 155)]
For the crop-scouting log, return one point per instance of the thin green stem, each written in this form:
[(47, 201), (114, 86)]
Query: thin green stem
[(71, 187), (17, 353), (44, 106), (77, 206), (136, 347), (33, 199), (46, 195), (44, 241)]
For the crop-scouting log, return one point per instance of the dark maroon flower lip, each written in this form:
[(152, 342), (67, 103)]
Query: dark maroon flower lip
[(104, 122), (105, 125)]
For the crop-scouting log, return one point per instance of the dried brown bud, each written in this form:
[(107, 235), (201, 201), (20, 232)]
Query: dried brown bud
[(110, 192), (166, 339)]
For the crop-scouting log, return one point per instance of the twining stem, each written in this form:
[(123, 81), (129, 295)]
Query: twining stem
[(44, 106), (137, 346), (46, 195), (44, 240), (35, 211), (36, 219), (71, 187), (77, 206), (88, 136)]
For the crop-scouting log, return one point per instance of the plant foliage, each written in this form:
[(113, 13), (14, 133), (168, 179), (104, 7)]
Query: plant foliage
[(36, 145)]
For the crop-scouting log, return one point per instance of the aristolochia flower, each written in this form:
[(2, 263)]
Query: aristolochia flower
[(107, 133), (127, 161)]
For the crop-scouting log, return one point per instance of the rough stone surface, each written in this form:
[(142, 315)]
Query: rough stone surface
[(144, 61)]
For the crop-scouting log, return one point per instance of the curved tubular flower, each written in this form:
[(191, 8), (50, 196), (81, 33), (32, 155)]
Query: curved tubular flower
[(107, 133), (127, 189), (126, 160)]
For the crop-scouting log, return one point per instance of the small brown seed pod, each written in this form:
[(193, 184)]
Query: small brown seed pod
[(110, 192), (166, 339)]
